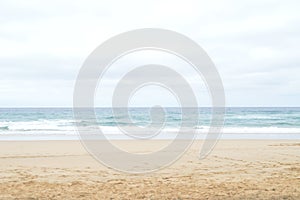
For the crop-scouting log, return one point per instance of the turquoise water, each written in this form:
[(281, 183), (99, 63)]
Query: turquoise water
[(240, 123)]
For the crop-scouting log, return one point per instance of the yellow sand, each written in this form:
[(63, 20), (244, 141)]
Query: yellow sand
[(234, 170)]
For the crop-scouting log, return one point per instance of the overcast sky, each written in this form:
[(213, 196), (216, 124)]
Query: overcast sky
[(254, 44)]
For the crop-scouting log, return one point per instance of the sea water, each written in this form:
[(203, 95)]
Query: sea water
[(239, 123)]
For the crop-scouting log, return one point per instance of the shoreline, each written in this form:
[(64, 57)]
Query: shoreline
[(224, 136)]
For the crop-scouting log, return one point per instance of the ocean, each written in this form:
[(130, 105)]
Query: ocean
[(59, 123)]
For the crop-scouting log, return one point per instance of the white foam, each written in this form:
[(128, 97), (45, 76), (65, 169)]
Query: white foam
[(44, 125), (67, 127)]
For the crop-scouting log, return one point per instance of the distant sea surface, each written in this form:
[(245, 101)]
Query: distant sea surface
[(59, 124)]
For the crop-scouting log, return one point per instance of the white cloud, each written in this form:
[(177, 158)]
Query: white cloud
[(254, 44)]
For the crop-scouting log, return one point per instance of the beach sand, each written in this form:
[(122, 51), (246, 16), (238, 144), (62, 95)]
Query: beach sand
[(235, 169)]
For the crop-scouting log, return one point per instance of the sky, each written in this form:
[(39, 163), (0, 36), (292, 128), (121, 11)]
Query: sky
[(254, 44)]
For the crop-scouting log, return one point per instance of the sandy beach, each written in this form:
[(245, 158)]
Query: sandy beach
[(234, 170)]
